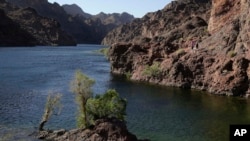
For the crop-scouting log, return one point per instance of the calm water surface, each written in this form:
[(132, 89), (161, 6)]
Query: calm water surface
[(27, 75)]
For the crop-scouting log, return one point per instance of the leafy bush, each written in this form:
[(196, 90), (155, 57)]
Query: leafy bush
[(231, 53), (108, 105), (90, 109), (104, 51), (153, 70), (180, 52), (128, 75)]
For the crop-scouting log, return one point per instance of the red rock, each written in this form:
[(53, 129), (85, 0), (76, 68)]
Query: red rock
[(220, 62)]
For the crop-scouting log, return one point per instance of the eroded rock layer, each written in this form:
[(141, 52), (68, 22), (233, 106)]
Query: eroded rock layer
[(201, 44)]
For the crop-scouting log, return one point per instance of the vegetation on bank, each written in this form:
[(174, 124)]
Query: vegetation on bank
[(107, 105), (152, 71), (104, 51), (128, 75), (90, 109)]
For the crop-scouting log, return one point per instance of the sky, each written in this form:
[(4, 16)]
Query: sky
[(138, 8)]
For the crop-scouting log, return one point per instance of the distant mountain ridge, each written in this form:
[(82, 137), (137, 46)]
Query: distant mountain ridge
[(75, 10), (114, 18), (75, 22)]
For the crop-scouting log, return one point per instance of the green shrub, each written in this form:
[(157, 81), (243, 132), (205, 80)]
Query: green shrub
[(108, 105), (81, 87), (90, 109), (231, 53), (104, 51), (180, 52), (153, 70), (128, 75)]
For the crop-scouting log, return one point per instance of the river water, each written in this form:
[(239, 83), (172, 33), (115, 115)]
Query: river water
[(28, 75)]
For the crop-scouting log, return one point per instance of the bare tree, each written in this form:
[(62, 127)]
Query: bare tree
[(52, 105)]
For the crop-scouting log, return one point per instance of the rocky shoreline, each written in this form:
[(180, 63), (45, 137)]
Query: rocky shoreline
[(104, 130), (188, 44)]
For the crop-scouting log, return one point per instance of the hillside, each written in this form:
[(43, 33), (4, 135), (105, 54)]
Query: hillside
[(80, 26), (12, 34), (114, 18), (24, 27), (200, 44)]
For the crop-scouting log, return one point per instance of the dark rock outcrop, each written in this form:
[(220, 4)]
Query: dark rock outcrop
[(83, 29), (11, 34), (197, 44), (34, 29), (104, 130)]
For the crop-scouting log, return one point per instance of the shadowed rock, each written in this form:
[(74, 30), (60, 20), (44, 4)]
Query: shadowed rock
[(104, 130)]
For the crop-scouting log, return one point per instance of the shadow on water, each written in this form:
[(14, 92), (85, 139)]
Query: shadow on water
[(167, 113)]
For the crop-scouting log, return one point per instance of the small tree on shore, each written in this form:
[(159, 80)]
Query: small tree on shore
[(81, 86), (52, 105)]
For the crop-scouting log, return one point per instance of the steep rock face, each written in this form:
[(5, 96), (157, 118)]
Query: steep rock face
[(81, 32), (83, 29), (192, 50), (44, 31), (223, 12), (166, 22), (104, 130), (12, 34)]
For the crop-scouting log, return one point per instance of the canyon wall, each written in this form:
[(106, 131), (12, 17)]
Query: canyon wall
[(200, 44), (25, 27)]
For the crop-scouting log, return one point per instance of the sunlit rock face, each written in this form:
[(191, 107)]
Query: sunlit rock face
[(219, 63), (223, 12)]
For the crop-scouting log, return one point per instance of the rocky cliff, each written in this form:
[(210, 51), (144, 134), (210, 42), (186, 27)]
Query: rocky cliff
[(84, 29), (12, 34), (23, 26), (201, 44)]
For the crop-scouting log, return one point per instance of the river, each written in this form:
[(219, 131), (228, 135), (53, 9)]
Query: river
[(29, 74)]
